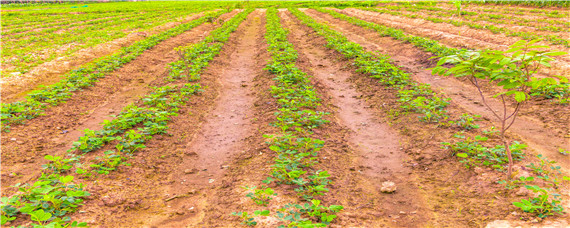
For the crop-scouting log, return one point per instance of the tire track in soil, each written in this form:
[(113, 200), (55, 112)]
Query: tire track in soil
[(376, 146), (544, 140), (55, 132), (15, 88), (222, 135), (460, 38)]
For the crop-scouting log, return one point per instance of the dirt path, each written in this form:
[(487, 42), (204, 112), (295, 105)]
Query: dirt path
[(453, 196), (222, 136), (379, 155), (53, 133), (17, 87), (544, 140), (459, 38)]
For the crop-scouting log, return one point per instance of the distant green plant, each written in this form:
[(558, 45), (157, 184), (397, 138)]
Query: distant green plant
[(457, 4)]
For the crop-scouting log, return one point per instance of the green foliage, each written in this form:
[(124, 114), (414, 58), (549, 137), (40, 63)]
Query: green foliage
[(413, 96), (543, 205), (296, 214), (474, 153), (296, 152), (260, 196), (56, 196), (471, 19), (512, 69), (465, 122), (38, 101), (249, 220), (50, 198), (426, 44), (197, 56), (547, 170)]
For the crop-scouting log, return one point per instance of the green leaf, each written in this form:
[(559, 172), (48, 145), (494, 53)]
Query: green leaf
[(520, 96), (66, 179), (555, 53), (462, 155), (40, 215)]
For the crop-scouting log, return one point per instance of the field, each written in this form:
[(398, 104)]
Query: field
[(285, 114)]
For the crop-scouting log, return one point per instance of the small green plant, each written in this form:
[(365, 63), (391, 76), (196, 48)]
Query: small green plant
[(457, 4), (474, 153), (260, 196), (546, 170), (542, 205), (466, 122), (57, 164), (109, 162), (249, 220), (516, 183), (304, 215)]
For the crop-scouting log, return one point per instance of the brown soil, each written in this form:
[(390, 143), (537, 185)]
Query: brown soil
[(463, 37), (507, 24), (503, 9), (431, 166), (373, 147), (545, 130), (185, 196), (44, 26), (194, 175), (54, 132), (17, 87)]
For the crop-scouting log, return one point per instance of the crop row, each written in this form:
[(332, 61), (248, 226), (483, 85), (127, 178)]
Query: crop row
[(555, 25), (22, 54), (296, 152), (553, 39), (53, 196), (419, 98), (29, 16), (38, 101), (538, 3), (560, 92), (60, 26), (478, 6), (57, 21)]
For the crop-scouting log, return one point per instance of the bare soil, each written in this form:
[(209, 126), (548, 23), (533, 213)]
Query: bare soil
[(463, 37), (194, 175), (62, 125), (17, 87)]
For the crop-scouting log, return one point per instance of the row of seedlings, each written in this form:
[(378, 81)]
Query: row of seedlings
[(38, 101), (25, 51), (557, 91), (296, 149), (553, 39), (54, 194), (419, 98)]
